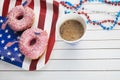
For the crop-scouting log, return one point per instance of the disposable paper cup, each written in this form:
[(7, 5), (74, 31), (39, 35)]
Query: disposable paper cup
[(67, 17)]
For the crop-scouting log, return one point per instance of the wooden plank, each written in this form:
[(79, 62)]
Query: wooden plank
[(110, 44), (75, 55), (62, 75), (98, 35), (74, 65), (83, 65), (86, 54)]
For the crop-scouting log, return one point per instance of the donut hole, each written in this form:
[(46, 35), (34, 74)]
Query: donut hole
[(33, 41), (20, 17)]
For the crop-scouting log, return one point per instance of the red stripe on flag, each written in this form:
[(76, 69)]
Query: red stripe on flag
[(33, 64), (53, 30), (5, 7), (42, 14), (31, 5), (40, 25), (18, 2)]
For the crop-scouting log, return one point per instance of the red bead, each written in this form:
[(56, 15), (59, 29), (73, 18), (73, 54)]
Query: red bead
[(82, 12), (67, 7), (70, 7), (118, 4), (108, 2), (104, 21), (79, 13), (77, 4), (93, 23), (118, 23), (112, 21), (85, 14), (88, 17), (61, 2), (98, 23), (112, 3), (105, 0), (108, 20), (115, 4)]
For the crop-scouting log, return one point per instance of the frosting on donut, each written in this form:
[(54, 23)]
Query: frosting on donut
[(33, 42), (20, 18)]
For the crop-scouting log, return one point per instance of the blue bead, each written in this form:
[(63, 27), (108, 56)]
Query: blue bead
[(111, 27), (87, 21), (114, 25), (115, 22), (104, 27), (66, 12), (101, 1), (68, 3), (107, 28), (116, 18), (80, 1)]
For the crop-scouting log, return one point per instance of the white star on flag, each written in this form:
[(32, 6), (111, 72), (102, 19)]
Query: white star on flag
[(19, 55), (12, 59), (5, 48), (6, 31), (2, 41), (8, 53), (18, 37), (0, 35), (1, 21), (9, 36), (15, 49), (2, 57)]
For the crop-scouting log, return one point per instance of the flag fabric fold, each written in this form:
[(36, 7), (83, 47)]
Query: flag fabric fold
[(46, 16)]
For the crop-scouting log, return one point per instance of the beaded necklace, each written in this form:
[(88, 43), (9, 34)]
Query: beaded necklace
[(75, 7)]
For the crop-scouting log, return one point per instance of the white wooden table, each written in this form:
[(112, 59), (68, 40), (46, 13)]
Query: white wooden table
[(96, 56)]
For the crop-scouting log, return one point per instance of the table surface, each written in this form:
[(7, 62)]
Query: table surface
[(96, 56)]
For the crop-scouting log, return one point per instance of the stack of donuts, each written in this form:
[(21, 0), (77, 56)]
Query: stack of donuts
[(33, 41)]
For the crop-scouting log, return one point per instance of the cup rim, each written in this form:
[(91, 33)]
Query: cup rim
[(71, 16)]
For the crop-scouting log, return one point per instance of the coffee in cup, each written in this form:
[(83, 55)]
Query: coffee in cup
[(71, 30), (71, 27)]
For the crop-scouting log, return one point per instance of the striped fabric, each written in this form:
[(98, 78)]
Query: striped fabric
[(46, 15)]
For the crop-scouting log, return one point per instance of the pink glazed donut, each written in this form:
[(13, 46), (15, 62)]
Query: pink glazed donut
[(33, 43), (20, 18)]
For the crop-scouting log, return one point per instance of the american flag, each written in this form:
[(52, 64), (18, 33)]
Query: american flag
[(46, 15)]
